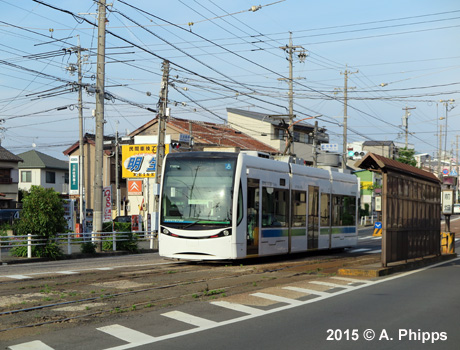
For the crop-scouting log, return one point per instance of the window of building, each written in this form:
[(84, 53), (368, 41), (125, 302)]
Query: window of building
[(5, 176), (50, 177), (66, 178), (26, 176)]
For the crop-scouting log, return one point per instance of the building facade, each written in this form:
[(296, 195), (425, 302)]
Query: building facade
[(271, 130), (9, 179), (39, 169)]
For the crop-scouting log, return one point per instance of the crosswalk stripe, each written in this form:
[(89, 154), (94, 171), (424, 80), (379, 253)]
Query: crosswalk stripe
[(329, 284), (351, 280), (127, 334), (67, 272), (238, 307), (33, 345), (307, 291), (190, 319), (277, 298)]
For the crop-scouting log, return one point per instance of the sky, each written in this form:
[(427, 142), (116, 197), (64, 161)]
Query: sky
[(224, 55)]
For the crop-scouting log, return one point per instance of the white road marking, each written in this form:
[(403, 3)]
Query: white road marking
[(33, 345), (358, 250), (374, 251), (307, 291), (277, 298), (17, 277), (68, 272), (104, 268), (127, 334), (351, 280), (190, 319), (238, 307), (329, 284)]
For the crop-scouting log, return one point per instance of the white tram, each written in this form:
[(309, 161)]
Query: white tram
[(224, 206)]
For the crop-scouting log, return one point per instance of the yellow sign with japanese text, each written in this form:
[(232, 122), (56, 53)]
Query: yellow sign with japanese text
[(139, 160)]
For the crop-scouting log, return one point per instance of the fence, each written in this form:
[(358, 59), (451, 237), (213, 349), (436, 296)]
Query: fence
[(69, 240)]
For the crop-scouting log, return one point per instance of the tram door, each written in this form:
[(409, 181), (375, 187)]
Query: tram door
[(252, 235), (313, 217)]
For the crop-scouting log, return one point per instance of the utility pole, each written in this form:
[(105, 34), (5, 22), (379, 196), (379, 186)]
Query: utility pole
[(440, 151), (162, 115), (315, 142), (100, 91), (290, 49), (446, 104), (81, 162), (345, 117), (81, 145), (117, 181), (406, 122), (457, 168)]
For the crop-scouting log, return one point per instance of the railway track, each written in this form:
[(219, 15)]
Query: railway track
[(66, 300)]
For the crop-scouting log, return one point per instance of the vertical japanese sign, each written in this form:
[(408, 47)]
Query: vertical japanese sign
[(74, 175), (107, 215), (139, 160)]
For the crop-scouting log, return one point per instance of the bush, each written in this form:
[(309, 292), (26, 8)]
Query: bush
[(88, 248), (42, 216), (125, 241), (50, 250)]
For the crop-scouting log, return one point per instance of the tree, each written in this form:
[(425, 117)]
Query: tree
[(42, 215), (406, 156)]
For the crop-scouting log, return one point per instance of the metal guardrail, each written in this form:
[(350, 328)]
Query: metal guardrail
[(72, 238)]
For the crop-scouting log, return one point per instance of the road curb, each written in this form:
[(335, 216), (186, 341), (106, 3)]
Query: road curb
[(376, 270)]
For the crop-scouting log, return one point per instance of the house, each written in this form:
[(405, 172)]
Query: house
[(39, 169), (9, 178), (197, 135), (272, 130), (89, 153)]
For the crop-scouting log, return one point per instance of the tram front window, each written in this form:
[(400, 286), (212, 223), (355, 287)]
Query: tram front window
[(198, 192)]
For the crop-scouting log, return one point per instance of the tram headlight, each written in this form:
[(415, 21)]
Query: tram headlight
[(226, 233), (166, 231)]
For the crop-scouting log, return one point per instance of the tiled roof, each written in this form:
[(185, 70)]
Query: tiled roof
[(7, 156), (220, 135), (205, 133), (90, 139), (372, 160), (35, 159)]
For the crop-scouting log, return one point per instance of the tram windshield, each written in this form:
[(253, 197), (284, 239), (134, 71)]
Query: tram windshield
[(198, 191)]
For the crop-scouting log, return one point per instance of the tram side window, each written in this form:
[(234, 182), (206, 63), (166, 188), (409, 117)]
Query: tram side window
[(325, 205), (299, 208), (343, 210), (274, 207), (240, 205)]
